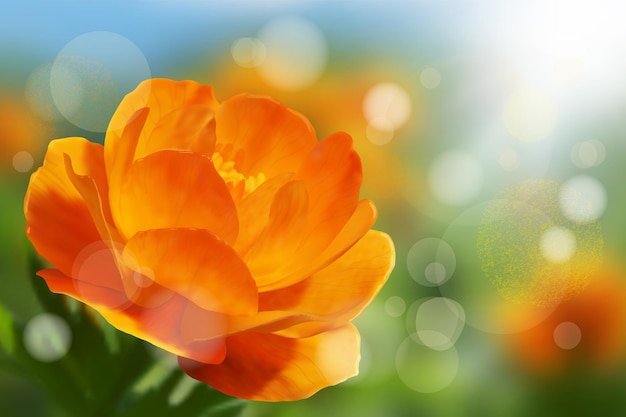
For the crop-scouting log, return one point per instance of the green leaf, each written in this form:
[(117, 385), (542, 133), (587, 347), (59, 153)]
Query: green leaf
[(100, 374), (200, 400), (7, 331)]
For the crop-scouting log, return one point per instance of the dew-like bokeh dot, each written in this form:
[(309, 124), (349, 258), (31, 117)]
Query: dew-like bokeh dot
[(583, 199), (558, 245), (91, 75), (47, 337), (529, 115), (431, 261), (439, 322), (296, 53), (455, 178), (430, 77), (567, 335), (248, 52), (426, 370), (387, 105), (395, 306), (588, 153), (23, 161), (379, 131), (509, 159), (436, 273)]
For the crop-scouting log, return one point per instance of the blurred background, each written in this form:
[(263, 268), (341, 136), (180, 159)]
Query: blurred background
[(492, 138)]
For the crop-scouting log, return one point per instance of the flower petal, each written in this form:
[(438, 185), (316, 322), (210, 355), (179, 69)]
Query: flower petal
[(176, 325), (161, 97), (197, 265), (262, 135), (175, 189), (342, 289), (190, 129), (267, 367), (331, 176), (59, 223), (254, 211)]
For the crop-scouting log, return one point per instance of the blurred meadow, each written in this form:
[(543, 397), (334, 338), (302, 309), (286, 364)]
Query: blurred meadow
[(492, 140)]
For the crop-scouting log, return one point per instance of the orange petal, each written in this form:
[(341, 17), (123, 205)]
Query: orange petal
[(266, 367), (175, 189), (357, 226), (332, 174), (197, 265), (161, 97), (343, 288), (190, 128), (272, 253), (59, 223), (332, 177), (177, 325), (254, 211), (272, 138), (117, 169)]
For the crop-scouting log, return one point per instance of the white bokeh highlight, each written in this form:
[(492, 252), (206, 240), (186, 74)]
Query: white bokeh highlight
[(431, 262), (296, 53), (583, 199), (567, 335), (395, 306), (430, 78), (92, 74), (248, 52), (426, 370), (23, 161), (439, 322), (529, 115), (588, 153), (387, 107), (47, 337), (455, 178), (558, 245)]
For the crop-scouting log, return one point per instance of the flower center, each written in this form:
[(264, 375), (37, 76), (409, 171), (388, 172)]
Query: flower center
[(240, 184)]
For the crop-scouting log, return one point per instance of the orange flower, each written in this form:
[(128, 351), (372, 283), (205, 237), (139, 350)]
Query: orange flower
[(222, 232), (587, 331)]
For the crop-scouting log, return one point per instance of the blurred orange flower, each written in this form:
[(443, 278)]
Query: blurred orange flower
[(225, 233), (21, 134), (587, 331)]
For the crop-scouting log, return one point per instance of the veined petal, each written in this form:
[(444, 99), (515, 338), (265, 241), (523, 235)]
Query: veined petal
[(191, 128), (175, 189), (267, 367), (332, 174), (262, 135), (59, 223), (254, 211), (170, 325), (272, 254), (332, 178), (197, 265), (161, 97), (342, 289), (357, 226)]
